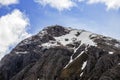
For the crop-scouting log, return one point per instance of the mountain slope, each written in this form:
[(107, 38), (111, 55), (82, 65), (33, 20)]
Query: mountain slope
[(58, 53)]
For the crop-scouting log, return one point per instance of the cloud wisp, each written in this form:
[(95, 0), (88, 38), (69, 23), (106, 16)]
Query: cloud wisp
[(68, 4), (8, 2), (111, 4), (12, 30), (57, 4)]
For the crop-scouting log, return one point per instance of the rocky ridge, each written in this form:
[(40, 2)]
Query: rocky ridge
[(59, 53)]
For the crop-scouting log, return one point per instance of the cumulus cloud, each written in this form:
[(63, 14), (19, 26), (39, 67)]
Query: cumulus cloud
[(111, 4), (8, 2), (58, 4), (12, 30)]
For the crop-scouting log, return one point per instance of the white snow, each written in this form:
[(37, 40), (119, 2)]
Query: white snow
[(25, 52), (84, 65), (82, 52), (69, 36), (117, 45), (71, 60), (111, 52), (77, 49), (93, 35), (79, 55), (83, 37), (50, 44), (118, 63), (81, 74)]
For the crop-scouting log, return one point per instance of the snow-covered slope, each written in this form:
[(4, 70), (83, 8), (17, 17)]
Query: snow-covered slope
[(74, 35)]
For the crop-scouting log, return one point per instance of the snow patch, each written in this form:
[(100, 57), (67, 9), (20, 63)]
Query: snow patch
[(71, 60), (79, 55), (86, 49), (117, 45), (77, 49), (118, 63), (93, 35), (84, 65), (50, 44), (111, 52), (81, 74), (85, 39), (71, 37), (25, 52)]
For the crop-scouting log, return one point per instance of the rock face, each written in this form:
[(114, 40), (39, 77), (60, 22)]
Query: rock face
[(58, 53)]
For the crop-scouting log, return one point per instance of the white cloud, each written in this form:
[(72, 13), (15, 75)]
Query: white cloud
[(58, 4), (12, 30), (8, 2), (111, 4), (68, 4)]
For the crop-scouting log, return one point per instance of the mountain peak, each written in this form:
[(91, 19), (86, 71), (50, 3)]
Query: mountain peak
[(59, 53), (56, 30)]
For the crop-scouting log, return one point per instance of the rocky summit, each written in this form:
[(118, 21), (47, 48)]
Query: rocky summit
[(60, 53)]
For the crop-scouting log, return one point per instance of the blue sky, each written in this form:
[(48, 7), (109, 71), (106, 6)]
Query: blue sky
[(92, 17), (98, 16)]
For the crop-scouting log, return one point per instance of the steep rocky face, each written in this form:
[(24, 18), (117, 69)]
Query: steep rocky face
[(58, 53)]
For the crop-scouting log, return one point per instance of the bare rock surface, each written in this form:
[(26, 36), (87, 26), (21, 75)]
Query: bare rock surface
[(59, 53)]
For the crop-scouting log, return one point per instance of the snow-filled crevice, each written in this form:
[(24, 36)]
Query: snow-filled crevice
[(71, 58)]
